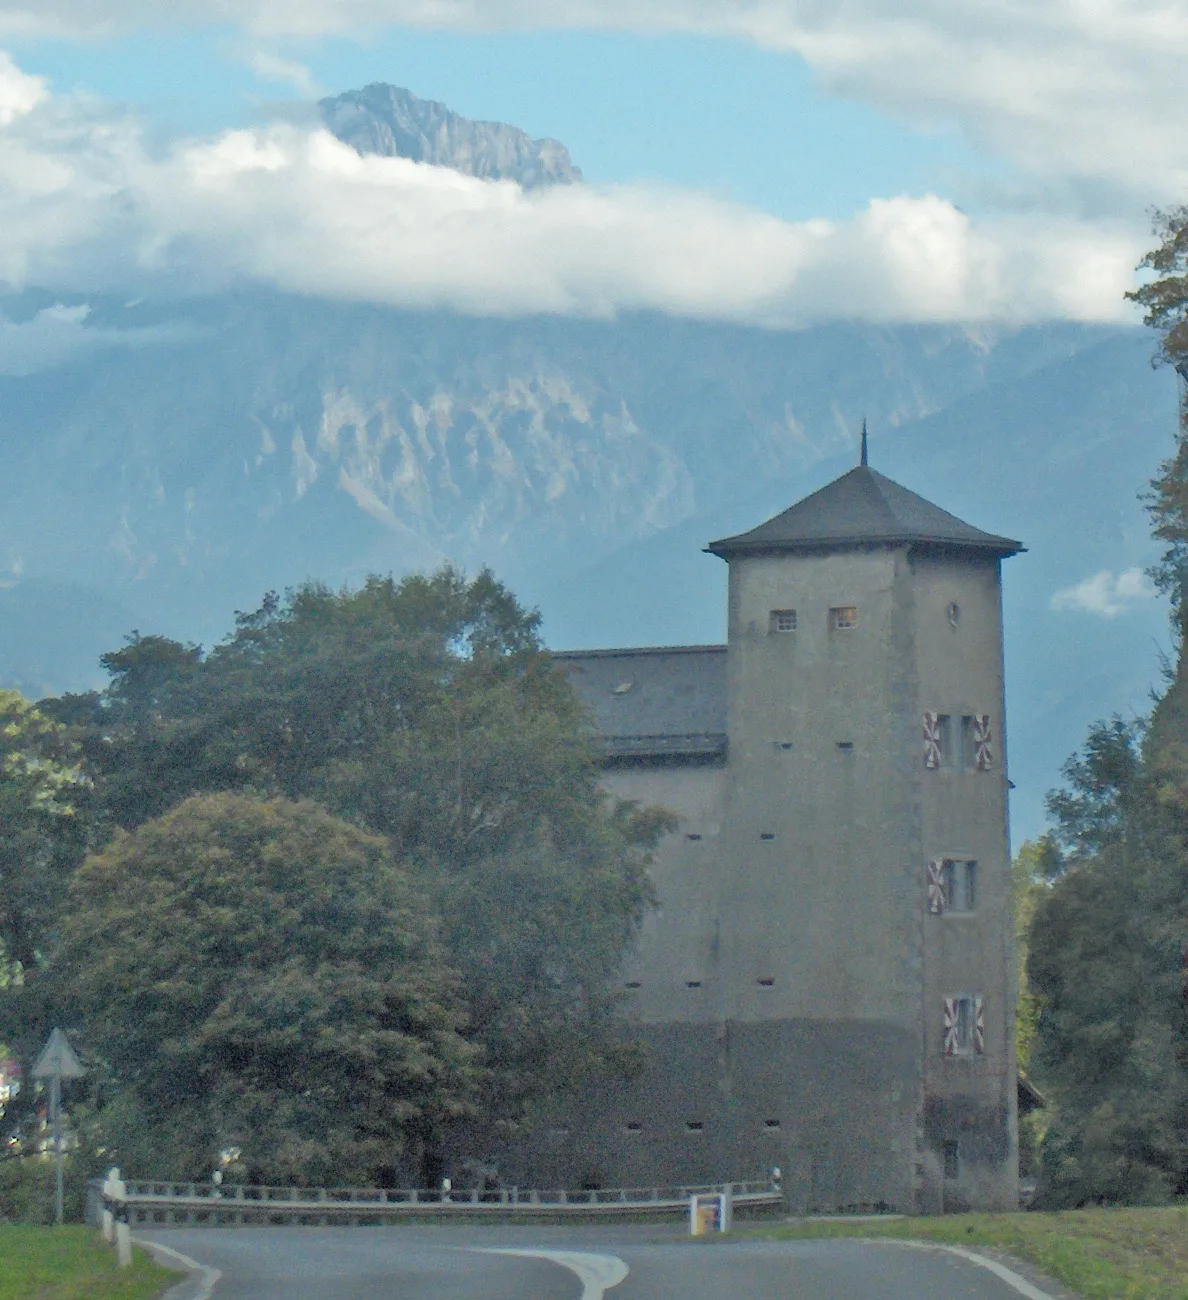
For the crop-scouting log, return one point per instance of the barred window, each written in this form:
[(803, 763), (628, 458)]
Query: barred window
[(783, 620), (843, 616)]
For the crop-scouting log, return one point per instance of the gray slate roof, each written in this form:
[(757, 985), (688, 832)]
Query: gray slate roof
[(653, 702), (859, 508)]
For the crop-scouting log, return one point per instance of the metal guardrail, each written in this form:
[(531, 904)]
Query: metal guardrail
[(162, 1204)]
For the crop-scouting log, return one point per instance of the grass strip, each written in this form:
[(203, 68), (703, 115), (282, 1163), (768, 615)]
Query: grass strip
[(1123, 1254), (71, 1263)]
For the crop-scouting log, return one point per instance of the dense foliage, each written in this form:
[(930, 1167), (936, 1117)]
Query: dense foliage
[(41, 837), (423, 716), (1108, 960), (261, 974)]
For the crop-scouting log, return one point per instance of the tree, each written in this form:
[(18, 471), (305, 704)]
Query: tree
[(1165, 300), (41, 838), (428, 711), (1092, 811), (1104, 966), (262, 974)]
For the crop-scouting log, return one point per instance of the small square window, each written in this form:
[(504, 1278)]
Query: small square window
[(634, 1127), (951, 1152), (782, 620), (770, 1124), (695, 1126), (767, 835), (843, 616), (693, 836), (632, 984), (765, 981), (960, 876), (692, 984)]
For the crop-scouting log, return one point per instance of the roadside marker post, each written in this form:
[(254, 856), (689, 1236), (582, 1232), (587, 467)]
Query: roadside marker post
[(710, 1212), (57, 1062)]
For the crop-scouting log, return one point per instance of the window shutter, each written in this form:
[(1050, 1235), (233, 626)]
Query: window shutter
[(936, 886), (983, 756), (979, 1028), (950, 1026), (932, 741)]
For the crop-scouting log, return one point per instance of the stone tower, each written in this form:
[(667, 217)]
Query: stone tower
[(828, 984)]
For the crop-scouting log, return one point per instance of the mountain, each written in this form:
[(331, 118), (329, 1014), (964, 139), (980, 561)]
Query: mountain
[(265, 439), (189, 455), (388, 120)]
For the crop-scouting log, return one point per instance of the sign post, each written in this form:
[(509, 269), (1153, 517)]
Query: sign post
[(57, 1062)]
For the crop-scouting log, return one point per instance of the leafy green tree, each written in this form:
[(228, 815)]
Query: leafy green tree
[(1105, 967), (262, 974), (41, 835), (1165, 300), (1092, 810), (428, 711)]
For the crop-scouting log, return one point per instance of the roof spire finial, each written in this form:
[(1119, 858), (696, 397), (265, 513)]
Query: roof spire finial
[(864, 460)]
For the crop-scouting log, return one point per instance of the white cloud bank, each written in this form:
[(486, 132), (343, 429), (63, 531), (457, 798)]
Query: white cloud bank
[(85, 205), (1106, 594), (1071, 90)]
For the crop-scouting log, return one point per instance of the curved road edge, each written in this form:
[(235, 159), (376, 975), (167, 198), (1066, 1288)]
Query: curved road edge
[(1008, 1275), (597, 1273), (200, 1283)]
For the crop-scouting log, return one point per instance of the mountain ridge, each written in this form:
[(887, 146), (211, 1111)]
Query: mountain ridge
[(391, 121)]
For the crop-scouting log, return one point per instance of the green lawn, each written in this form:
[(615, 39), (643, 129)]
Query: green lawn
[(72, 1264), (1100, 1254)]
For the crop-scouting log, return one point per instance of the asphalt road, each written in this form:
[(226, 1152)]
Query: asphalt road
[(645, 1263)]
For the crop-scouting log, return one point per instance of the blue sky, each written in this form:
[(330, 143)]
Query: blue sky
[(778, 163), (722, 115)]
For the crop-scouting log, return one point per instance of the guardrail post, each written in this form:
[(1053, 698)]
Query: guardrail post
[(123, 1237), (113, 1187)]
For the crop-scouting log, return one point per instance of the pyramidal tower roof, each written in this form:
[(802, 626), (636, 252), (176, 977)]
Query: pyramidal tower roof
[(863, 507)]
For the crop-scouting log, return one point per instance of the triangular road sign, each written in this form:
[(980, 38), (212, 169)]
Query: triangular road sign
[(57, 1057)]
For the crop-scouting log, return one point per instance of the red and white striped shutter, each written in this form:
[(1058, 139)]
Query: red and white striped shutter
[(983, 755), (936, 886), (950, 1026), (932, 741), (979, 1028)]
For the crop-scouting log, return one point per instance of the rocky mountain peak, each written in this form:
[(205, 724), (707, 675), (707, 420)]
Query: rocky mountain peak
[(389, 120)]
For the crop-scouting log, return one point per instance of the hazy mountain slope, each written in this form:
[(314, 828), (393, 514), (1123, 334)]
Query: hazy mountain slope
[(279, 439), (388, 120), (1056, 458)]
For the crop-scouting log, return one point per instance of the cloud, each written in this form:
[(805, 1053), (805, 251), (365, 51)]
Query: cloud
[(86, 205), (1105, 594), (272, 68), (1076, 91), (59, 333)]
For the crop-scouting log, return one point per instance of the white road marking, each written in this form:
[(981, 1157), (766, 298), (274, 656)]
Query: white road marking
[(597, 1273), (1008, 1275), (207, 1276)]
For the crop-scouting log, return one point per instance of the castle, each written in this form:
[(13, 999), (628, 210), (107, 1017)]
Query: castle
[(828, 982)]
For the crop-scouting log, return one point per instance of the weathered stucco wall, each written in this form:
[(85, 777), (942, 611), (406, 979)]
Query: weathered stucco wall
[(969, 1099), (790, 987)]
